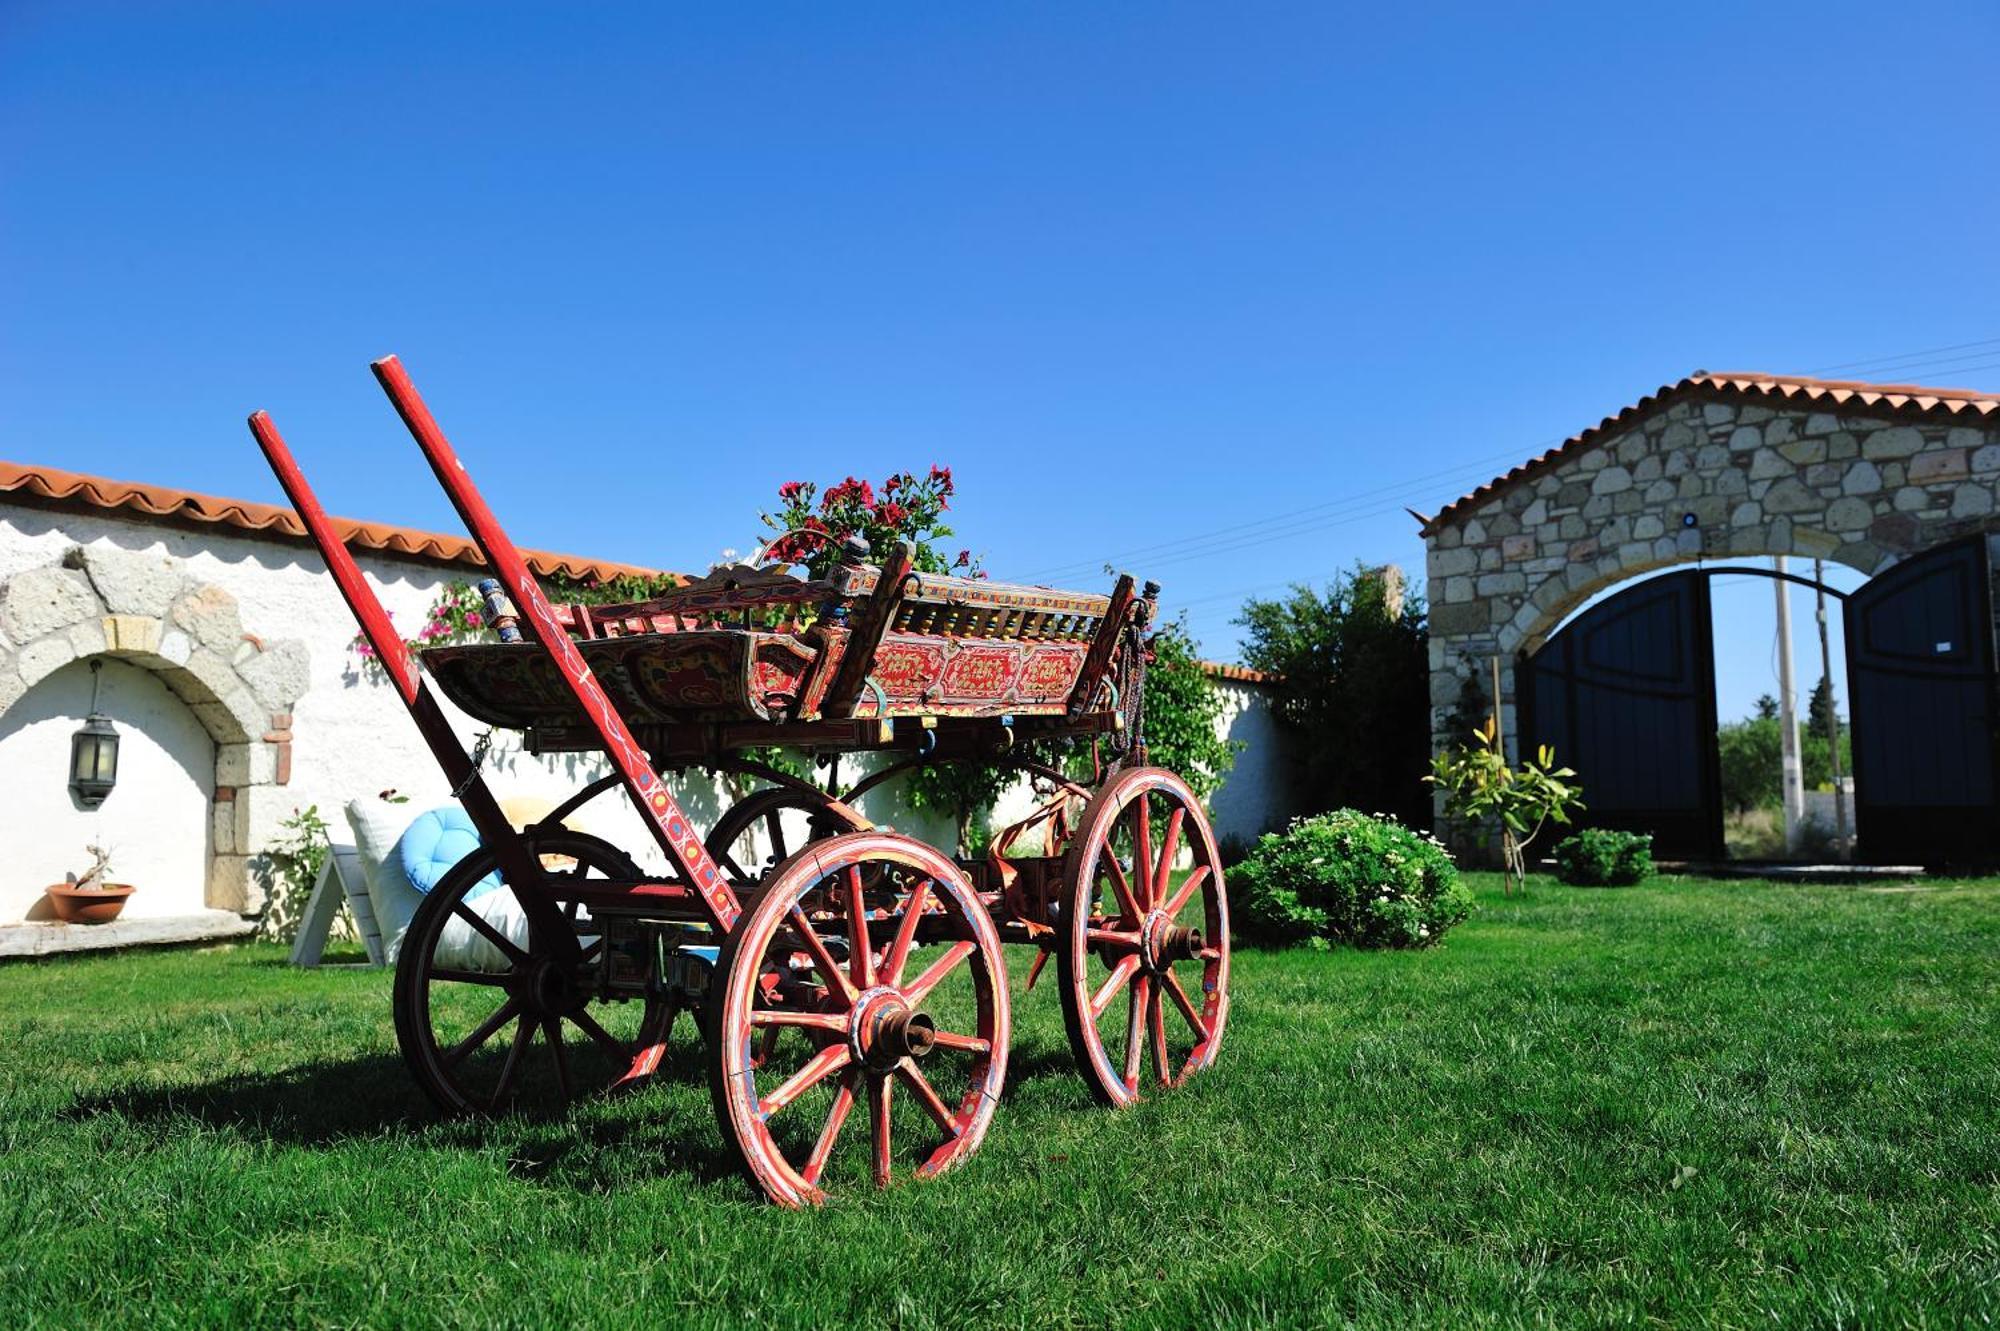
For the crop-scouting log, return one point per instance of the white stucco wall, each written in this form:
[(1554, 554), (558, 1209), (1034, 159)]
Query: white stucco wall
[(1255, 798), (156, 821), (351, 736)]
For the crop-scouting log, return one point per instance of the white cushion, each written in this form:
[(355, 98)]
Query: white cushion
[(378, 825), (462, 947)]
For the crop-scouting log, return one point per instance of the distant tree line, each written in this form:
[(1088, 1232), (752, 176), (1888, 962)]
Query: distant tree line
[(1752, 752)]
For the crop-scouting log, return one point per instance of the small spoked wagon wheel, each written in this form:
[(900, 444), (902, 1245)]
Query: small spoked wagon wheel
[(874, 958), (1143, 944), (780, 818), (493, 1013)]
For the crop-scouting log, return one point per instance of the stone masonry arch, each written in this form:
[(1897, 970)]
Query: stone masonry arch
[(1715, 468), (146, 610)]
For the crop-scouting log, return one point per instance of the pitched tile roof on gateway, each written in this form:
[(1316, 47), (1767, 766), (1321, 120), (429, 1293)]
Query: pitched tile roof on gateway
[(68, 489), (1908, 401)]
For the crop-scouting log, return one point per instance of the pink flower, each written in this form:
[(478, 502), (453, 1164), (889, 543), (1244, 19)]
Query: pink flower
[(474, 619)]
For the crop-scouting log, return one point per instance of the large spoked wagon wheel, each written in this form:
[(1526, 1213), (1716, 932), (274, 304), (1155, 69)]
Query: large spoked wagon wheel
[(874, 958), (494, 1014), (775, 821), (1143, 947)]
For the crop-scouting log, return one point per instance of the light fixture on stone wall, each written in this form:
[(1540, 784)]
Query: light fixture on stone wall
[(93, 752)]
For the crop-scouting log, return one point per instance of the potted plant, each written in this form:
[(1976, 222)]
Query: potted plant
[(88, 898)]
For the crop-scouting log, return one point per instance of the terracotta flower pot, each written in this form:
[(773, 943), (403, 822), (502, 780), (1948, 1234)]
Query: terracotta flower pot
[(89, 905)]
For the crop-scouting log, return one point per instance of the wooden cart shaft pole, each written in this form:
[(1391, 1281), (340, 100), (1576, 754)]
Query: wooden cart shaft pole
[(473, 793), (663, 816)]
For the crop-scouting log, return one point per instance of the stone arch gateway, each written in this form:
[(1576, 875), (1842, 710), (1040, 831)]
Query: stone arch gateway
[(1713, 468), (143, 609)]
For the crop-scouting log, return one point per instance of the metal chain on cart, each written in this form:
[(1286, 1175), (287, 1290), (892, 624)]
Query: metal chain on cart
[(480, 748)]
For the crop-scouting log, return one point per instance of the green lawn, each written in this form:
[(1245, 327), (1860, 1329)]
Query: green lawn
[(1693, 1102)]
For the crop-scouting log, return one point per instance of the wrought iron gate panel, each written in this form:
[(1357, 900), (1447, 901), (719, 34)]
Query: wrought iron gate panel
[(1625, 693), (1920, 686)]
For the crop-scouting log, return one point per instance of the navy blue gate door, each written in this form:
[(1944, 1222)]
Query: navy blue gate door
[(1626, 695), (1920, 685)]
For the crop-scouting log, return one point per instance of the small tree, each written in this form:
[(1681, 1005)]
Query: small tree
[(1749, 753), (1355, 691), (1481, 786)]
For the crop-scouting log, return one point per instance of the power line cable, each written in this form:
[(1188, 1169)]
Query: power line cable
[(1958, 365), (1884, 362), (1293, 520)]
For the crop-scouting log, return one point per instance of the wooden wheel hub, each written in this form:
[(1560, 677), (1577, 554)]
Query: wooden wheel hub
[(883, 1030), (551, 989), (1162, 942)]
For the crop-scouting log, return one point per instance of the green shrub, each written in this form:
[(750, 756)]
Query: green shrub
[(1597, 857), (1344, 877)]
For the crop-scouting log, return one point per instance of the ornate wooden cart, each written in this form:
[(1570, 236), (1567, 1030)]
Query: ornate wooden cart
[(825, 960)]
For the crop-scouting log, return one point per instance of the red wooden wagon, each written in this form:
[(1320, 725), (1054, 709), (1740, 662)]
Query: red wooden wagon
[(825, 960)]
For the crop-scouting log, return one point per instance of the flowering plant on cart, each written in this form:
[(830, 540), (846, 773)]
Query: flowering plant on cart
[(810, 523)]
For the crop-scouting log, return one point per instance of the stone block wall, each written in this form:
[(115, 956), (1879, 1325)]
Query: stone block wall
[(1705, 475)]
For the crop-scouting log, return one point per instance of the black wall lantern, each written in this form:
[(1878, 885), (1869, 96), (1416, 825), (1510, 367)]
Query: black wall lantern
[(93, 752)]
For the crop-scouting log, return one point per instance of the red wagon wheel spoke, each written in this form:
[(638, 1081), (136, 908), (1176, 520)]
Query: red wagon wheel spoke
[(1156, 1023), (551, 972), (969, 1044), (920, 988), (505, 1013), (879, 1089), (613, 1047), (836, 1118), (822, 1065), (906, 933), (819, 1021), (552, 1029), (1192, 884), (1142, 850), (823, 960), (473, 977), (1171, 983), (1170, 849), (1128, 904), (868, 1029), (860, 948), (490, 934), (1126, 968), (524, 1035), (733, 840), (1139, 956), (1135, 1016), (927, 1096)]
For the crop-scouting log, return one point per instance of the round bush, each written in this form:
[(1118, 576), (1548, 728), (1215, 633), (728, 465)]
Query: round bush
[(1598, 857), (1345, 877)]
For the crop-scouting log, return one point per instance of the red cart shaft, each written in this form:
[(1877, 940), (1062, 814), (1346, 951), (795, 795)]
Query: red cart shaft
[(663, 815), (473, 793)]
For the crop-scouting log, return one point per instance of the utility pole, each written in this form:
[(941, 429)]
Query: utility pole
[(1788, 721), (1832, 713)]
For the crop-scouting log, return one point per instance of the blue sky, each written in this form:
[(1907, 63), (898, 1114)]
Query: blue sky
[(1210, 291)]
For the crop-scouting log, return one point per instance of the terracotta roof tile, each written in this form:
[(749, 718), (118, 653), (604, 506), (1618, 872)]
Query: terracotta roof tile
[(1909, 401), (1241, 674), (69, 489)]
